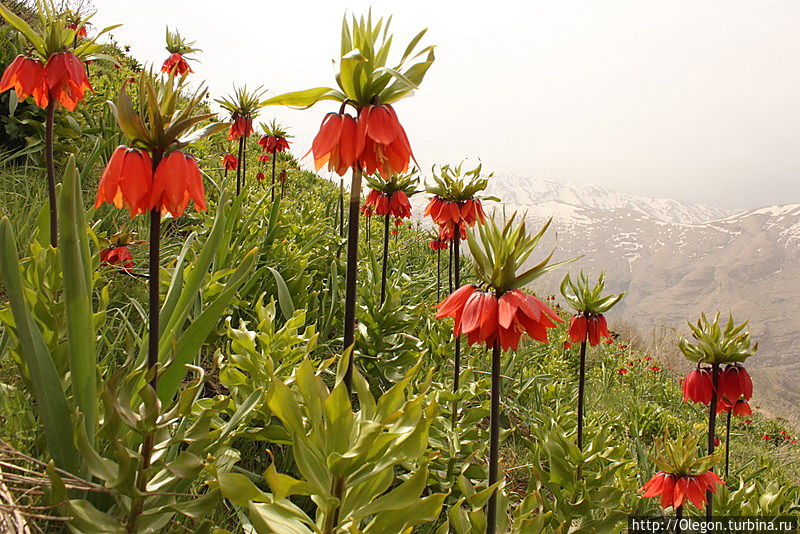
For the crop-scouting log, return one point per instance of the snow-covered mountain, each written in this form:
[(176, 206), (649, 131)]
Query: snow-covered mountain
[(559, 198), (676, 260)]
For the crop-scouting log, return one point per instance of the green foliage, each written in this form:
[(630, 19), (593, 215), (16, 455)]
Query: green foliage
[(715, 344), (585, 299), (498, 253), (350, 463), (364, 77)]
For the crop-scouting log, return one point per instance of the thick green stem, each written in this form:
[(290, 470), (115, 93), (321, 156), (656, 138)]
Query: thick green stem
[(352, 274), (332, 519), (385, 257), (51, 171), (712, 425), (494, 439)]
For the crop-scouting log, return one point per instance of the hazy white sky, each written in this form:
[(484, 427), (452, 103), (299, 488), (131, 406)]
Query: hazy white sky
[(697, 100)]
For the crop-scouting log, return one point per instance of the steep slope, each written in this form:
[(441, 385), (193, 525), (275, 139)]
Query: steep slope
[(676, 260)]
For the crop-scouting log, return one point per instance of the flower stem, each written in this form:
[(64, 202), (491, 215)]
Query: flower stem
[(239, 167), (494, 439), (712, 424), (352, 274), (450, 270), (341, 207), (51, 172), (272, 194), (581, 391), (457, 280), (678, 517), (438, 275), (727, 443), (385, 257), (137, 502)]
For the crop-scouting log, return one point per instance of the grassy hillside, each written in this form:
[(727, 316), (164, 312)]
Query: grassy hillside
[(258, 433)]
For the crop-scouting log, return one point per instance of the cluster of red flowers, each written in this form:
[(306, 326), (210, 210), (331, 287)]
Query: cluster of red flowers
[(439, 244), (176, 64), (738, 408), (117, 256), (240, 127), (485, 318), (264, 158), (273, 144), (734, 383), (589, 327), (395, 205), (230, 162), (375, 141), (447, 214), (260, 176), (675, 490), (63, 79), (79, 32), (129, 181)]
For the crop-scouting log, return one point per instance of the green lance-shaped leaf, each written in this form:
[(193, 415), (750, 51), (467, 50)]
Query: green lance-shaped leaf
[(188, 344), (81, 348), (48, 392), (284, 296)]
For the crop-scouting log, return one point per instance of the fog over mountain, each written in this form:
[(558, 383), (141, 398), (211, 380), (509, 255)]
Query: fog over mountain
[(676, 260)]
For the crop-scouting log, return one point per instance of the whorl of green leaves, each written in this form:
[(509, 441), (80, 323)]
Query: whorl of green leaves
[(583, 298), (498, 253), (399, 182), (158, 124), (54, 34), (243, 102), (715, 344), (364, 75), (680, 456), (456, 185), (179, 45), (276, 129)]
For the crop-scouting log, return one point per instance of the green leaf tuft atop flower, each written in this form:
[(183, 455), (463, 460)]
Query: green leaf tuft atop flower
[(717, 344), (679, 456), (364, 75), (178, 45), (453, 184), (158, 124), (583, 298), (57, 32), (499, 252)]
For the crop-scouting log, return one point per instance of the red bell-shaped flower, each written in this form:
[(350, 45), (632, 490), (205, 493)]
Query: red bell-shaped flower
[(386, 149), (127, 180), (260, 176), (176, 64), (698, 386), (117, 256), (484, 318), (337, 143), (177, 180), (735, 382), (230, 162), (676, 490), (240, 127), (66, 79), (27, 77), (273, 143)]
